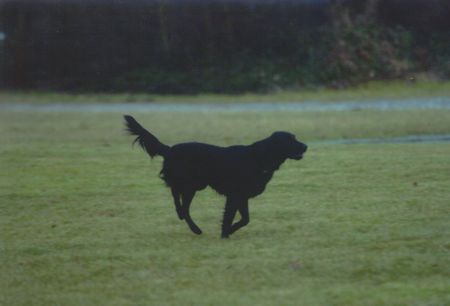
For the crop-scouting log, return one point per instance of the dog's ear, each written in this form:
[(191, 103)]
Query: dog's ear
[(267, 155)]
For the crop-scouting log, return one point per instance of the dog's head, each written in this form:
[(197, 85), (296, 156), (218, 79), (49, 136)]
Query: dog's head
[(274, 150), (287, 145)]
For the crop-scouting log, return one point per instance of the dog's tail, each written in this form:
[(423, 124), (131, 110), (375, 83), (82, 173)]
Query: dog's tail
[(146, 140)]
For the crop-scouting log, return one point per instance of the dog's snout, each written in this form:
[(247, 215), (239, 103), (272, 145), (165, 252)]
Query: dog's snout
[(303, 147)]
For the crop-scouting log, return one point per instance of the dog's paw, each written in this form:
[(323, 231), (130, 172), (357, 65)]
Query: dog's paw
[(180, 214), (196, 230)]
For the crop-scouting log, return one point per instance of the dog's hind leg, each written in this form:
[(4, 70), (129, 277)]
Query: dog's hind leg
[(176, 199), (231, 206), (245, 217), (186, 198)]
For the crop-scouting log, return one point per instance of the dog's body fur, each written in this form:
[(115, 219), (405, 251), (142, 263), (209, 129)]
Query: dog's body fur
[(237, 172)]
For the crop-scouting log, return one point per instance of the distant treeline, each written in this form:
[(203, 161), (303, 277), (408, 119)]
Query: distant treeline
[(192, 46)]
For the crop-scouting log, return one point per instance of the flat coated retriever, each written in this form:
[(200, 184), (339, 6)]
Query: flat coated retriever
[(237, 172)]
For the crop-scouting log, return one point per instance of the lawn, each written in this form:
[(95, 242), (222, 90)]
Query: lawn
[(86, 221)]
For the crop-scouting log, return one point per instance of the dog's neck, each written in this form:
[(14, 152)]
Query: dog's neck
[(267, 160)]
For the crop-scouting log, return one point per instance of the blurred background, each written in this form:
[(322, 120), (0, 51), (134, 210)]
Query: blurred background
[(219, 46)]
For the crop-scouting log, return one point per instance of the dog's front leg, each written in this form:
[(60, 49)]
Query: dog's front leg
[(245, 217), (231, 206)]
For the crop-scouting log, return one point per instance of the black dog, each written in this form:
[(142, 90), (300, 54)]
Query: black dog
[(237, 172)]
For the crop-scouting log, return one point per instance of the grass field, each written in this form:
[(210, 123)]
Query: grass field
[(85, 220)]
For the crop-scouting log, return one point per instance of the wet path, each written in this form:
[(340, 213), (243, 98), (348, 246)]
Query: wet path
[(425, 103)]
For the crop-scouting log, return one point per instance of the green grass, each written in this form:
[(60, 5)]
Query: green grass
[(368, 91), (85, 220)]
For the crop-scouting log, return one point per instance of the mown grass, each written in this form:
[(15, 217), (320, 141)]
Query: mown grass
[(368, 91), (85, 220)]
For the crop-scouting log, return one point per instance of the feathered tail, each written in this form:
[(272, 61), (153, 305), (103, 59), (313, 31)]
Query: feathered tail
[(146, 140)]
